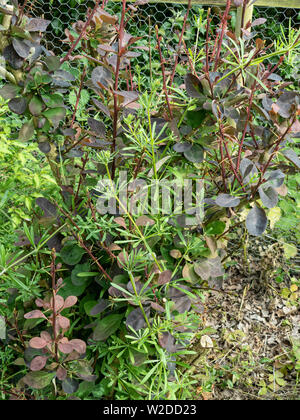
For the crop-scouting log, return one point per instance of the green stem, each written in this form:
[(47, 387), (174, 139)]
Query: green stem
[(134, 224)]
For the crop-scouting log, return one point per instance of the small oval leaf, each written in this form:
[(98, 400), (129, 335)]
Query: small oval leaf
[(226, 200), (256, 221)]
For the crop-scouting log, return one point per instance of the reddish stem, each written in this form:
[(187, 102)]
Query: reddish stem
[(116, 84), (87, 23), (180, 41), (78, 96), (246, 125), (224, 26), (54, 301), (279, 141)]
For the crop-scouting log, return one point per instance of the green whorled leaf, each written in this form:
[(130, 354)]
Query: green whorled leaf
[(107, 326), (21, 47), (55, 115), (97, 126), (38, 380), (62, 78), (226, 200), (35, 106), (159, 126), (216, 227), (71, 254), (182, 147), (17, 105), (268, 196), (9, 91), (275, 178), (52, 62), (12, 58), (292, 157), (195, 154), (99, 307), (37, 25), (193, 86), (80, 268), (138, 287), (101, 77), (69, 385), (159, 165), (256, 221), (27, 131), (53, 101), (2, 328)]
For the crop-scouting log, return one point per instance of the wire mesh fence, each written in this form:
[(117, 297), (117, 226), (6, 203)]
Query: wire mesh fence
[(168, 17)]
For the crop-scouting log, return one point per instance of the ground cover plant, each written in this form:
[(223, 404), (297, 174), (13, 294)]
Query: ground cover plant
[(103, 291)]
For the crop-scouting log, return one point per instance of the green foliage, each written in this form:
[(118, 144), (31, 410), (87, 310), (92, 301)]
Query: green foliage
[(139, 278)]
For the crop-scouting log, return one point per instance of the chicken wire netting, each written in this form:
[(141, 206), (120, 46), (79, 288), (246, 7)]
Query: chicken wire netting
[(169, 17)]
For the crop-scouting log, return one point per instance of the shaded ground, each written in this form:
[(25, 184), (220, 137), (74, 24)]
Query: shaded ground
[(249, 347)]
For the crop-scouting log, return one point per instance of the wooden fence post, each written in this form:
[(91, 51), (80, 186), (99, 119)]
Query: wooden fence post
[(241, 23), (239, 19)]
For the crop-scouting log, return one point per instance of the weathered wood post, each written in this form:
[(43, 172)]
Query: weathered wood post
[(242, 21)]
